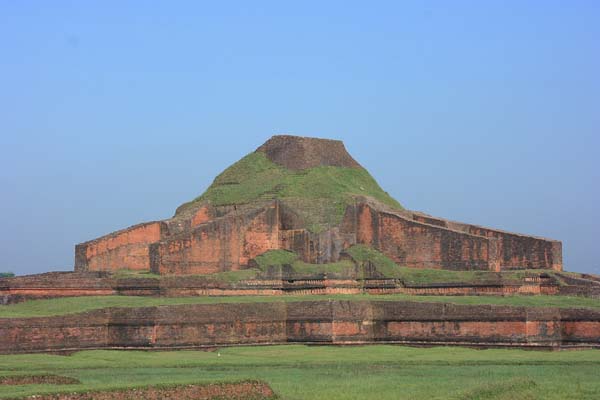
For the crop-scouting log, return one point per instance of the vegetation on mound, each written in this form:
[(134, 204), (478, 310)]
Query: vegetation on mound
[(364, 257), (72, 305), (217, 277), (6, 274), (131, 273), (379, 372), (339, 269), (319, 195), (346, 269), (275, 260)]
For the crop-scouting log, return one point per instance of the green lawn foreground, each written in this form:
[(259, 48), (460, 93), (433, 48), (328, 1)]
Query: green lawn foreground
[(328, 372), (70, 305)]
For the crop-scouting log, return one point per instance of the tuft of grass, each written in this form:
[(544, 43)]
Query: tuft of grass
[(275, 258), (319, 195), (130, 273)]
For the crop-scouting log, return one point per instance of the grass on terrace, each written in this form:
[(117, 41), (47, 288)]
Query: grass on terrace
[(410, 276), (361, 254), (379, 372), (279, 258), (70, 305), (319, 195)]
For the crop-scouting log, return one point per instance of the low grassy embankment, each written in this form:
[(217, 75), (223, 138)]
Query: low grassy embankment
[(378, 372), (71, 305)]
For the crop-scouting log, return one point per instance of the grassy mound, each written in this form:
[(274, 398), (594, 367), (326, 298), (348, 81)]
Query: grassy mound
[(275, 258), (319, 195), (364, 255)]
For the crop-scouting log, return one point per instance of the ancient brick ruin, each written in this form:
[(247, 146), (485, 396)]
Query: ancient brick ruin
[(324, 322), (310, 197), (208, 238)]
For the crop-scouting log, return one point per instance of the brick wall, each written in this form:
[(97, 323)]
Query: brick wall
[(212, 240), (223, 244), (125, 249), (335, 322), (418, 245)]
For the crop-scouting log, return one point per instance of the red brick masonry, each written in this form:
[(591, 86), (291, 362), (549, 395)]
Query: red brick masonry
[(214, 239), (328, 322)]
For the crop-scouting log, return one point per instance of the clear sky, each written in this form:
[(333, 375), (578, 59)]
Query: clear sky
[(115, 112)]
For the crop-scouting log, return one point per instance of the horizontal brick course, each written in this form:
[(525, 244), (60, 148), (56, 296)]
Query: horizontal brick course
[(334, 322)]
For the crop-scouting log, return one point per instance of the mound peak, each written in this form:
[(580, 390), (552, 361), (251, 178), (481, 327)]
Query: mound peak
[(316, 178), (298, 152)]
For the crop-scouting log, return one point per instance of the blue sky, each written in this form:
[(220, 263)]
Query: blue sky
[(114, 113)]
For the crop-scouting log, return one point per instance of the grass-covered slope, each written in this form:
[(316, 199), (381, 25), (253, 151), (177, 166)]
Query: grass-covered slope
[(319, 195)]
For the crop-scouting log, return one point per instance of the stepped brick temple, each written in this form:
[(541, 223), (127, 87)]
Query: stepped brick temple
[(299, 216), (311, 197)]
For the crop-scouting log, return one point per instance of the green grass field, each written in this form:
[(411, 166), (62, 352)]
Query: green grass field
[(326, 372), (70, 305)]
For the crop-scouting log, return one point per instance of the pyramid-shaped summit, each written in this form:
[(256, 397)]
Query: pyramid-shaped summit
[(313, 179), (298, 153), (310, 197)]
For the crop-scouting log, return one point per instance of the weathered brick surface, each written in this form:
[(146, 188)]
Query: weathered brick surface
[(520, 251), (296, 153), (126, 249), (419, 245), (202, 245), (223, 244), (514, 250), (204, 238), (335, 322), (54, 284), (77, 331), (274, 282)]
